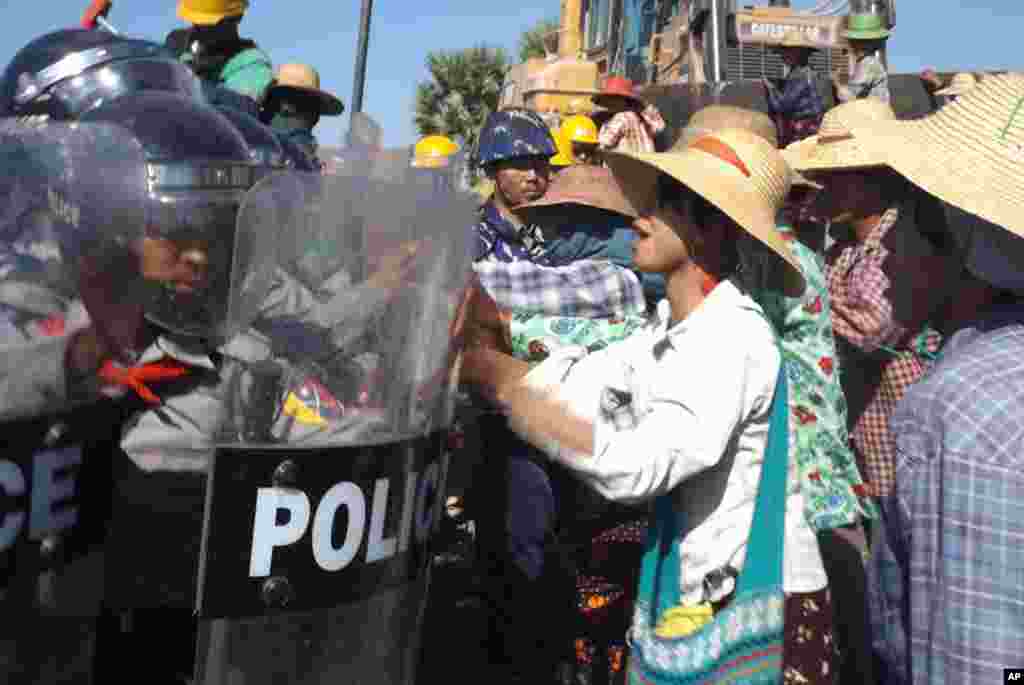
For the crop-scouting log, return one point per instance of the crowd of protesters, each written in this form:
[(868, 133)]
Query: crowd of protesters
[(638, 311)]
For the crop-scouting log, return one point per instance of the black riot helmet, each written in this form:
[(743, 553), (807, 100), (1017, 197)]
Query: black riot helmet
[(198, 170), (265, 149), (63, 74)]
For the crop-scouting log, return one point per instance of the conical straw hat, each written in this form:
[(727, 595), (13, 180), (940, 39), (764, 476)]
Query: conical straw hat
[(834, 147), (970, 153), (737, 171), (962, 83)]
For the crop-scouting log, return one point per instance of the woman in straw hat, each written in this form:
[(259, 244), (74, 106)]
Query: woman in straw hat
[(945, 570), (834, 492), (797, 106), (681, 407), (888, 249)]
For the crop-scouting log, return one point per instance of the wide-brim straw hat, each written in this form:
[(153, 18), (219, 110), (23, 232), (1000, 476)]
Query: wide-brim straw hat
[(305, 80), (835, 147), (792, 39), (735, 170), (582, 185), (970, 153), (961, 84), (717, 117)]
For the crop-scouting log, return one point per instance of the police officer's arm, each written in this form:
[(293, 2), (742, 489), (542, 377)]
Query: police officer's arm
[(343, 317), (39, 376)]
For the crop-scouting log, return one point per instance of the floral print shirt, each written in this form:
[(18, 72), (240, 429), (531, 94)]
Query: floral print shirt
[(834, 492)]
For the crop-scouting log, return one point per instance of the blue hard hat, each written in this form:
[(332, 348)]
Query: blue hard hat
[(511, 134)]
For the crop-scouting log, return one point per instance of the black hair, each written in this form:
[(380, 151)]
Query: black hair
[(684, 200)]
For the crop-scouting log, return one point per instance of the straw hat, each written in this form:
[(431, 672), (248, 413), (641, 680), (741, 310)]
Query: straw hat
[(584, 185), (961, 83), (737, 171), (834, 147), (792, 39), (304, 79), (716, 117), (970, 153)]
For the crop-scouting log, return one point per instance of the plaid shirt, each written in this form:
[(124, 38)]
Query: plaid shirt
[(887, 354), (946, 578), (511, 267), (631, 132)]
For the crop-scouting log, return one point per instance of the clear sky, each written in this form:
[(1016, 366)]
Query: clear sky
[(945, 34)]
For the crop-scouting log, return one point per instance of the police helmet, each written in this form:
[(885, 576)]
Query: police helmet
[(63, 74), (198, 170), (513, 134)]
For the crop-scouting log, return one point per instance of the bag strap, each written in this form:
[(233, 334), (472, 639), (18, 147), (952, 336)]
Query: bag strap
[(763, 565), (661, 564)]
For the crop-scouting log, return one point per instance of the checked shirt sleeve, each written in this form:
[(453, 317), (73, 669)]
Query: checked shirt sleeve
[(858, 285), (586, 288), (861, 312), (612, 132)]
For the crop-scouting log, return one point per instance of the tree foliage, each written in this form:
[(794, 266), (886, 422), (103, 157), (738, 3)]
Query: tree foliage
[(464, 88), (531, 43)]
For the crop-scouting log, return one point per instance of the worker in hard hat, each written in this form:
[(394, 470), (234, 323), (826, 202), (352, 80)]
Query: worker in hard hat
[(433, 160), (563, 157), (580, 132), (214, 50), (295, 103)]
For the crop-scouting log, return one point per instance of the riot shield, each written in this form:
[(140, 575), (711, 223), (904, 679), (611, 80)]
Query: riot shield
[(296, 498), (56, 215)]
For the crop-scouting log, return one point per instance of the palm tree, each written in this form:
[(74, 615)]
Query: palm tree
[(536, 42), (464, 88)]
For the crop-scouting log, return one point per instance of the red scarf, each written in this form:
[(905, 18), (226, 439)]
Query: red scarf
[(136, 377)]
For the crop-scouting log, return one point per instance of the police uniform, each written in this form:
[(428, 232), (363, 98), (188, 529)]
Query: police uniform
[(54, 474)]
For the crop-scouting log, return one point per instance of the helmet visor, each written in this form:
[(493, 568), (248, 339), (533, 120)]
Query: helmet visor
[(188, 256)]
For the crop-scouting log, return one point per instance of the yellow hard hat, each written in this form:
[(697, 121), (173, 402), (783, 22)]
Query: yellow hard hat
[(580, 129), (564, 155), (432, 152), (209, 12)]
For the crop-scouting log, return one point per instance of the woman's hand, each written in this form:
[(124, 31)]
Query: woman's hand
[(486, 324)]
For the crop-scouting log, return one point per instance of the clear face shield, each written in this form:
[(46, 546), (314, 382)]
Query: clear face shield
[(60, 220), (191, 248)]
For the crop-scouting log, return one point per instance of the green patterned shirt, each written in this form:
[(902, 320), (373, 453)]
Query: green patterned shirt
[(834, 492)]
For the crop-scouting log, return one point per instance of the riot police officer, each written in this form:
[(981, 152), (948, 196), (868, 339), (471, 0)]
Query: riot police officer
[(54, 485), (63, 74)]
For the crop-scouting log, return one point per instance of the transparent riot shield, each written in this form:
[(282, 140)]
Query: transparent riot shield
[(71, 198), (326, 478)]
